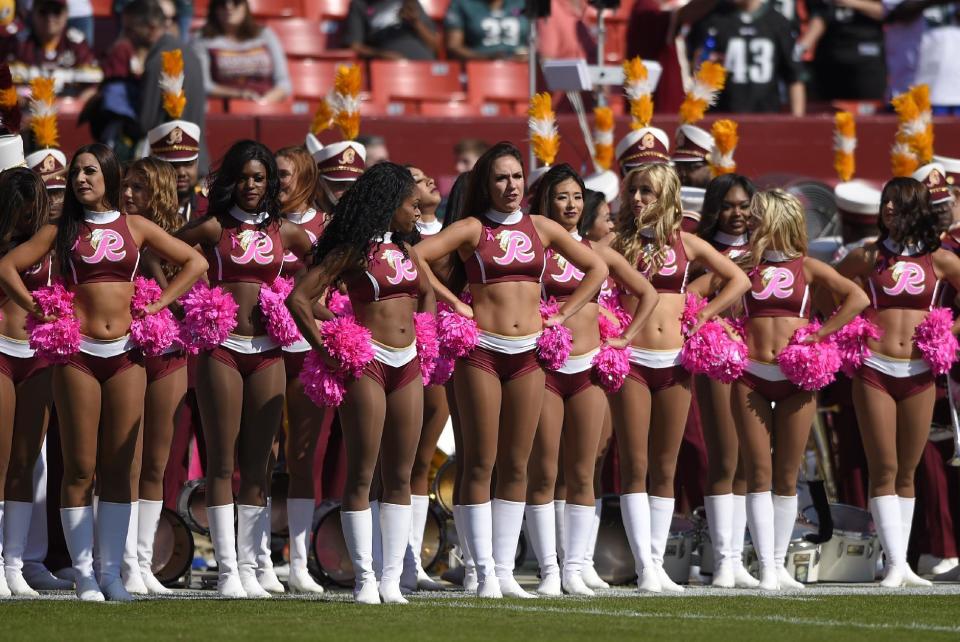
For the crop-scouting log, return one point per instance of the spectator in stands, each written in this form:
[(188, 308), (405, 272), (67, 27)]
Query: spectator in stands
[(487, 29), (376, 146), (179, 15), (10, 28), (923, 46), (392, 29), (240, 58), (50, 48), (467, 151), (80, 17), (565, 34), (757, 46), (847, 36)]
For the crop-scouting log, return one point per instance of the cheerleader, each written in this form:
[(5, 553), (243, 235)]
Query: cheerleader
[(435, 414), (240, 383), (893, 392), (306, 422), (723, 224), (368, 247), (99, 392), (149, 190), (650, 410), (770, 412), (499, 385), (574, 404), (25, 396)]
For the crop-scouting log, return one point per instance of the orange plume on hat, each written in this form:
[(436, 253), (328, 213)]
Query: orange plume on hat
[(603, 137), (171, 82), (912, 133), (844, 144), (9, 107), (43, 122), (639, 91), (725, 137), (707, 85), (543, 128), (345, 100), (323, 118)]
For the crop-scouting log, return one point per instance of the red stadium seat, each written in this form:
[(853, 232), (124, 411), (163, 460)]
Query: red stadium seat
[(414, 81), (311, 79), (451, 109), (498, 82), (436, 9), (256, 108), (326, 9), (200, 9), (102, 8), (275, 8), (302, 38), (216, 106)]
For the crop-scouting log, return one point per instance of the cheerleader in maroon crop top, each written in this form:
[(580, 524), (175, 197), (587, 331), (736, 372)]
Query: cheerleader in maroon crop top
[(100, 390), (240, 381), (772, 413), (502, 250), (572, 392), (653, 403), (893, 392)]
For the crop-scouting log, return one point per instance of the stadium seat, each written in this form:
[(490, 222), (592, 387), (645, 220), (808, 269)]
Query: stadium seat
[(499, 82), (311, 79), (200, 9), (303, 38), (414, 81), (450, 109), (275, 8), (257, 108), (326, 9), (435, 9), (102, 8)]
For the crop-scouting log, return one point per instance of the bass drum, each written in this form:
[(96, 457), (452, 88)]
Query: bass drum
[(279, 486), (172, 549), (192, 506), (851, 554), (678, 554), (612, 558), (443, 485)]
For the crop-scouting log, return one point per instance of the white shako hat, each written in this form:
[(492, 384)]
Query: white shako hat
[(11, 152), (934, 176), (175, 141), (952, 167), (313, 145), (341, 161), (51, 164), (644, 145), (691, 198), (692, 145), (605, 182), (858, 202)]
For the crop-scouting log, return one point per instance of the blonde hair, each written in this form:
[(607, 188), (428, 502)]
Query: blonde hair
[(161, 181), (663, 215), (782, 226), (304, 192)]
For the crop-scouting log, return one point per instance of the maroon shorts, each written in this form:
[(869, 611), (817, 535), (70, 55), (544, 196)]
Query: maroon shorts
[(657, 379), (293, 364), (505, 367), (393, 378), (161, 365), (899, 388), (18, 369), (105, 368), (246, 364), (775, 391), (566, 386)]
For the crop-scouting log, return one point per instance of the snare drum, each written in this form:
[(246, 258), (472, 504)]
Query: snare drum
[(192, 506), (612, 557), (678, 554), (443, 485), (279, 486), (803, 560), (329, 548), (851, 554), (172, 548)]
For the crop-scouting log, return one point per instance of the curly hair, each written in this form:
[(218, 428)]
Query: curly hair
[(717, 190), (305, 174), (664, 215), (547, 186), (68, 225), (160, 180), (225, 180), (591, 209), (24, 208), (782, 227), (914, 220), (477, 200), (364, 214)]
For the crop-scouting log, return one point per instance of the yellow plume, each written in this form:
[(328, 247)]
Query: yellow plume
[(922, 142), (707, 85), (43, 122), (603, 137), (171, 82), (8, 98), (323, 119), (345, 100), (543, 128), (725, 137), (637, 87), (844, 144)]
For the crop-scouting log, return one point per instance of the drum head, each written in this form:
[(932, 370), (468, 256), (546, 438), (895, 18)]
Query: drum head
[(434, 537), (443, 485), (192, 506), (330, 550), (278, 504), (845, 518), (612, 557), (172, 548)]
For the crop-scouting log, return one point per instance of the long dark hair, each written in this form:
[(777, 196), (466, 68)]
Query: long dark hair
[(24, 208), (364, 213), (591, 207), (713, 201), (547, 185), (914, 220), (68, 225), (477, 200), (212, 27), (231, 169), (454, 209)]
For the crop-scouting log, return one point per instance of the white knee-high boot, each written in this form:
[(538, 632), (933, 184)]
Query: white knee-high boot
[(299, 522), (4, 589), (559, 508), (469, 567), (358, 536), (266, 576), (742, 577), (395, 534), (478, 528), (225, 549), (16, 525), (113, 520), (661, 517), (377, 539), (542, 534), (889, 523), (507, 522), (906, 515), (130, 568), (588, 572), (414, 577), (760, 518), (719, 510), (635, 509), (146, 534), (249, 541), (784, 518), (78, 527), (578, 524)]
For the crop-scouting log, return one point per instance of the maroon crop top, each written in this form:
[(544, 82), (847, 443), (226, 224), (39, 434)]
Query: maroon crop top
[(313, 226), (777, 289), (901, 281), (39, 275), (245, 252), (507, 252), (561, 277), (729, 245), (672, 276), (104, 251), (389, 275)]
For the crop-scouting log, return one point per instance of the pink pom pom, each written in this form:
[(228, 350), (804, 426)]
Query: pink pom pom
[(710, 350), (339, 304), (442, 371), (611, 301), (210, 314), (348, 343), (457, 334), (322, 387), (556, 342), (428, 346), (280, 324), (609, 328), (810, 366), (611, 366), (935, 341), (851, 341), (153, 333), (57, 340), (692, 307)]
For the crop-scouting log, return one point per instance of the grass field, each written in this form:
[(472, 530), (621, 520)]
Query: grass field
[(815, 615)]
